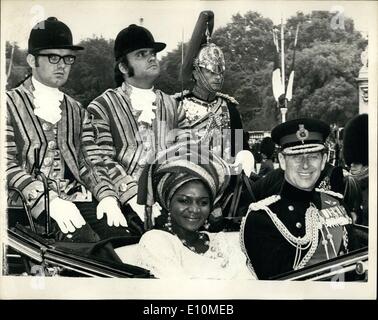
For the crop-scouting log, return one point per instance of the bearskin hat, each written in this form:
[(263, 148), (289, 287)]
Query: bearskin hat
[(267, 147), (356, 142)]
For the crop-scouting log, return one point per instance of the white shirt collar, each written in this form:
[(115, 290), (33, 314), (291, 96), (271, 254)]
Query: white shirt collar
[(47, 102), (143, 100)]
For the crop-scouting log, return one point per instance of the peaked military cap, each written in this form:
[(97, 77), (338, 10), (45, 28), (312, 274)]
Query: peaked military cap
[(301, 135)]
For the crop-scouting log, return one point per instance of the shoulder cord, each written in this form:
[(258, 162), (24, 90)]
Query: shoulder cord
[(311, 236), (345, 239), (329, 192), (282, 228), (312, 227)]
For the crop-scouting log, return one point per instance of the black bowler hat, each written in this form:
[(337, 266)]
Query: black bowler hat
[(133, 38), (356, 140), (301, 135), (50, 34)]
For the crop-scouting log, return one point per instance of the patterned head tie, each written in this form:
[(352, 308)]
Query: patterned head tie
[(177, 166)]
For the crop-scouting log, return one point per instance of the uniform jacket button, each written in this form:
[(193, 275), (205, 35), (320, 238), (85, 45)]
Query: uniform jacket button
[(46, 126), (52, 144), (47, 161)]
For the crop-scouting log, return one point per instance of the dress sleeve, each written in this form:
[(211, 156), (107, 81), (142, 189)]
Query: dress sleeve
[(160, 252)]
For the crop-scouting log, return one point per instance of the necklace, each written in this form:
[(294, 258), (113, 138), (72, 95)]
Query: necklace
[(214, 250), (309, 240), (201, 237)]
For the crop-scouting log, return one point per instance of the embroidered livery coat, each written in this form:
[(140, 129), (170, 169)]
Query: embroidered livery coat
[(25, 133), (122, 141)]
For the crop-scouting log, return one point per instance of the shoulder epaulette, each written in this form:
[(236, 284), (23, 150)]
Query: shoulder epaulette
[(178, 95), (227, 97), (260, 205), (330, 193)]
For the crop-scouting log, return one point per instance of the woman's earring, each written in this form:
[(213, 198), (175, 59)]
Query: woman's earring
[(206, 225), (168, 224)]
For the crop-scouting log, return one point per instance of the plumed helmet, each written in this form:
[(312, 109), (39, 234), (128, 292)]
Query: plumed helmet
[(356, 140), (201, 52), (211, 58)]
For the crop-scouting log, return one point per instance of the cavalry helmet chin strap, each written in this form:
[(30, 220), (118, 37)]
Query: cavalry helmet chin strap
[(203, 81)]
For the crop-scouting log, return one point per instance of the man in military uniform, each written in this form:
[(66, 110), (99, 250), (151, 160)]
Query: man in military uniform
[(211, 117), (133, 121), (301, 225), (49, 135), (209, 114)]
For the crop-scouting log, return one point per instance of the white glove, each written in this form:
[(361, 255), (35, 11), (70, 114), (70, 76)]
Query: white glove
[(246, 160), (66, 215), (139, 209), (109, 205)]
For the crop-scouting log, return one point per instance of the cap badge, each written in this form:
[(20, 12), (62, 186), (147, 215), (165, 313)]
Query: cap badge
[(302, 133)]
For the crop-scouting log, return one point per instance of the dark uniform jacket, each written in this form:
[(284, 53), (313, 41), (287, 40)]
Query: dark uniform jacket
[(268, 251)]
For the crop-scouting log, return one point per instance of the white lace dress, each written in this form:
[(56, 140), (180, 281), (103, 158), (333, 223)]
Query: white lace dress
[(166, 257)]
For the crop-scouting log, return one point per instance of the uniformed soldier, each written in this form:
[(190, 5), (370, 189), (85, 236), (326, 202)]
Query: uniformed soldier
[(211, 117), (210, 114), (49, 131), (301, 225)]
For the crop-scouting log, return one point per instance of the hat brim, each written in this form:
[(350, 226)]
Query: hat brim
[(305, 148), (159, 46), (76, 48)]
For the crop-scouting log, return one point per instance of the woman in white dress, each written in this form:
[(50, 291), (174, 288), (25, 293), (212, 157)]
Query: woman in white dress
[(187, 184)]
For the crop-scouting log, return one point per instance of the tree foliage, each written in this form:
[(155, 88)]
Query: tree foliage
[(93, 71), (326, 65), (19, 67)]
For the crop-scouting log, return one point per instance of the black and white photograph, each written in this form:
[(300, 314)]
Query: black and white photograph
[(188, 150)]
